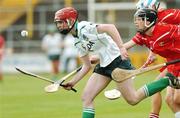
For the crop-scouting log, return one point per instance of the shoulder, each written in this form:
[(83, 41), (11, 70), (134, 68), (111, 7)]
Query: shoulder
[(161, 26), (162, 29), (85, 26), (138, 39), (168, 15), (58, 35), (167, 11), (138, 35)]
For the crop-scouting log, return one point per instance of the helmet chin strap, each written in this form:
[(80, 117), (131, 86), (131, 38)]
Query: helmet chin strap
[(66, 31)]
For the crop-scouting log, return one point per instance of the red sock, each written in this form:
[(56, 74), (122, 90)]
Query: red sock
[(153, 115)]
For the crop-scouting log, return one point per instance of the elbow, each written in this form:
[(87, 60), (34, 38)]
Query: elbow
[(89, 67), (112, 26)]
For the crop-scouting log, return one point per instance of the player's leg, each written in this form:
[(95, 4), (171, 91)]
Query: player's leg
[(156, 105), (94, 86), (177, 102), (169, 98), (55, 65), (128, 91), (133, 97), (54, 59), (157, 99), (172, 99), (55, 68)]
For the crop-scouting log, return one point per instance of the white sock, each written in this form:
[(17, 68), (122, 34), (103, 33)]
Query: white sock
[(177, 114)]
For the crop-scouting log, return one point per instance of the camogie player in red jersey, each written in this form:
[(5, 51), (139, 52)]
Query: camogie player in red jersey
[(167, 16), (164, 16), (163, 39)]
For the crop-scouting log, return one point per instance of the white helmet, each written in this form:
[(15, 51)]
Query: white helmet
[(151, 4)]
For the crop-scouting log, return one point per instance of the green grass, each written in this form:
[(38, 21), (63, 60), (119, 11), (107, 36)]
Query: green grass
[(23, 97)]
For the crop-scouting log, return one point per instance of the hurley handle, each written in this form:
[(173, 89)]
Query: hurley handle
[(173, 62)]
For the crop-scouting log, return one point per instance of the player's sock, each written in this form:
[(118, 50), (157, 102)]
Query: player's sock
[(88, 113), (153, 115), (156, 86), (177, 115)]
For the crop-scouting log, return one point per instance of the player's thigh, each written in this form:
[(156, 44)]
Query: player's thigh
[(177, 95), (169, 94), (127, 89), (95, 85)]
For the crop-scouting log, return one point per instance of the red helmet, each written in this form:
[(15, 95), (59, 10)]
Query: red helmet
[(68, 15)]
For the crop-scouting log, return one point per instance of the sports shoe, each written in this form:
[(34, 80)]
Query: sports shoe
[(174, 81)]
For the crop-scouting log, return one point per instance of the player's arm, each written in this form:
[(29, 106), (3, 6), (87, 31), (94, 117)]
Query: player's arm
[(94, 59), (151, 58), (84, 70), (129, 44), (111, 30)]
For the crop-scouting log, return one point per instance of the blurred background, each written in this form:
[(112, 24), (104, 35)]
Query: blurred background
[(36, 15)]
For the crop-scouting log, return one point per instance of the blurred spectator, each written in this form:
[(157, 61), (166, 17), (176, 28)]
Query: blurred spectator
[(52, 44), (69, 55), (2, 46)]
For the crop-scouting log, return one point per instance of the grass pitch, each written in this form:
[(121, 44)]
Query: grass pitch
[(24, 97)]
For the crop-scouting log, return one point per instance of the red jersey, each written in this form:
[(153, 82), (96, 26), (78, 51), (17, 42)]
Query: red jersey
[(170, 16), (165, 41)]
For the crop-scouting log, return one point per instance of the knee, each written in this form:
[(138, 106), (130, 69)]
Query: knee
[(132, 101), (86, 99)]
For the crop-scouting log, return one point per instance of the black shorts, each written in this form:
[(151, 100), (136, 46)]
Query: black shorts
[(54, 57), (116, 63)]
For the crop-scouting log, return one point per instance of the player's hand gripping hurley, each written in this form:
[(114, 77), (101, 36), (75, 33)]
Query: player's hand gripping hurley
[(55, 84), (120, 75), (54, 87)]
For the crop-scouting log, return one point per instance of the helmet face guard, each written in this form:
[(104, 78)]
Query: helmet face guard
[(147, 15), (65, 28), (67, 17)]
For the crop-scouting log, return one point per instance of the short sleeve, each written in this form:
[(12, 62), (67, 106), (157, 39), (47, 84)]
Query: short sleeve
[(138, 39)]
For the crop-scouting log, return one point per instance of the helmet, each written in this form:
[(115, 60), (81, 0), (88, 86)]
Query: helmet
[(151, 4), (147, 15), (66, 15)]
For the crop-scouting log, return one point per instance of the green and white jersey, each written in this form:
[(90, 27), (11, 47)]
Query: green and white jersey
[(101, 44)]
